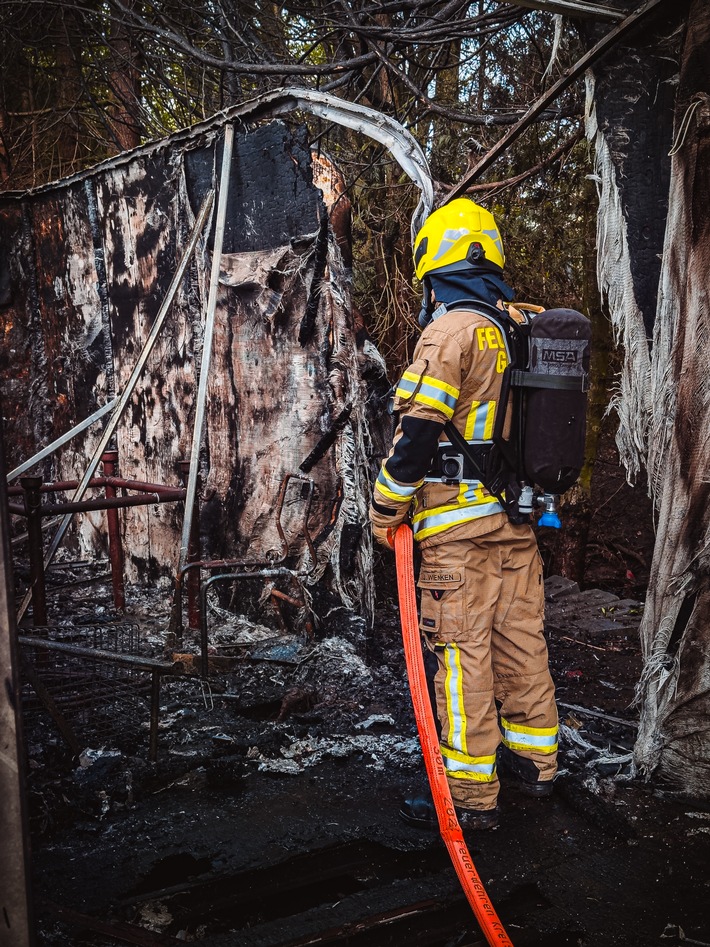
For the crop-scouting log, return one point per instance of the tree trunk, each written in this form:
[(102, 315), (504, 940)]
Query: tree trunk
[(124, 83)]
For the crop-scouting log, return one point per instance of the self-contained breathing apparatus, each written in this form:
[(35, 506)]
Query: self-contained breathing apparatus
[(459, 260), (547, 378)]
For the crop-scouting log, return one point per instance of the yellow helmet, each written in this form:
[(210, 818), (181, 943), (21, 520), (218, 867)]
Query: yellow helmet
[(460, 232)]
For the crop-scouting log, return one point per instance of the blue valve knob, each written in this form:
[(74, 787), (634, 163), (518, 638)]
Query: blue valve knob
[(550, 518)]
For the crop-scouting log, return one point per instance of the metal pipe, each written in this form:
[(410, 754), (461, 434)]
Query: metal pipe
[(109, 460), (131, 384), (98, 654), (176, 614), (207, 343), (60, 442), (104, 503), (193, 555), (33, 512), (224, 577), (59, 486), (154, 714)]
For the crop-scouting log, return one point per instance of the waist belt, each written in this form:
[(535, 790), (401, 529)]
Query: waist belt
[(451, 466)]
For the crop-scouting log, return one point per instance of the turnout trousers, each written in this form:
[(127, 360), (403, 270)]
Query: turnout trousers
[(482, 613)]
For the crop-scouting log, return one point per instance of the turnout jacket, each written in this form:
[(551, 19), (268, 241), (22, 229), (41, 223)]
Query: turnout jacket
[(456, 375)]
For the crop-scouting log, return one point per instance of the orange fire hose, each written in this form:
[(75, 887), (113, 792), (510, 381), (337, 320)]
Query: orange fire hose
[(448, 823)]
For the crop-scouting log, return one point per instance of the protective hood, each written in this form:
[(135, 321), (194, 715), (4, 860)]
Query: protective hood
[(470, 284)]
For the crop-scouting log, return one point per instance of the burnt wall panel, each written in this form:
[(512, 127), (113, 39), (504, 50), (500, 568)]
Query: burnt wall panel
[(271, 192), (635, 101), (105, 248), (16, 347)]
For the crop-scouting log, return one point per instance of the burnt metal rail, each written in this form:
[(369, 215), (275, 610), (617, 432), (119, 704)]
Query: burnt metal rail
[(190, 574), (154, 666), (32, 490), (278, 572)]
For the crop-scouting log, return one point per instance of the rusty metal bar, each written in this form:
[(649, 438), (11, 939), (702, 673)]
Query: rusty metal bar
[(103, 503), (207, 343), (109, 460), (33, 512), (16, 914), (131, 384), (59, 486), (137, 661), (297, 603), (59, 442)]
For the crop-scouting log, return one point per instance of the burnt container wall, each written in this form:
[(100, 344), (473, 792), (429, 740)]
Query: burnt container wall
[(86, 269)]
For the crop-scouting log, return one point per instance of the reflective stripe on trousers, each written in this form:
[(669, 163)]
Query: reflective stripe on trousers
[(457, 761), (540, 739)]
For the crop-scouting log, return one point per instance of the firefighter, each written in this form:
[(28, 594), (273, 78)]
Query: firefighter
[(482, 596)]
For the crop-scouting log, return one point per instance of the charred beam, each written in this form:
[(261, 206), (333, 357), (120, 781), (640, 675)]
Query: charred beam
[(327, 441), (118, 930), (308, 323)]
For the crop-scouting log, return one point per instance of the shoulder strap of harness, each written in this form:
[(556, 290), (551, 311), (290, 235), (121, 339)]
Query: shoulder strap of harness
[(503, 469)]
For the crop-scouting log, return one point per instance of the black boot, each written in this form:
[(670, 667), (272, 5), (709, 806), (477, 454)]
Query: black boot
[(419, 811), (522, 773)]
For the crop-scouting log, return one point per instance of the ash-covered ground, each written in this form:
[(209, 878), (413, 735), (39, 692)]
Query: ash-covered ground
[(270, 815)]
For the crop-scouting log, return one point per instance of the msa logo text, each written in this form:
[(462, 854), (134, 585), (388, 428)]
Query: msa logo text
[(559, 355)]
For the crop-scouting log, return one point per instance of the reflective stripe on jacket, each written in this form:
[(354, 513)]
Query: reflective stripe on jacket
[(456, 375)]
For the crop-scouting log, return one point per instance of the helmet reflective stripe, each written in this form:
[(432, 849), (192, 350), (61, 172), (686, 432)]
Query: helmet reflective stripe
[(481, 769), (448, 239), (540, 739), (495, 237)]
